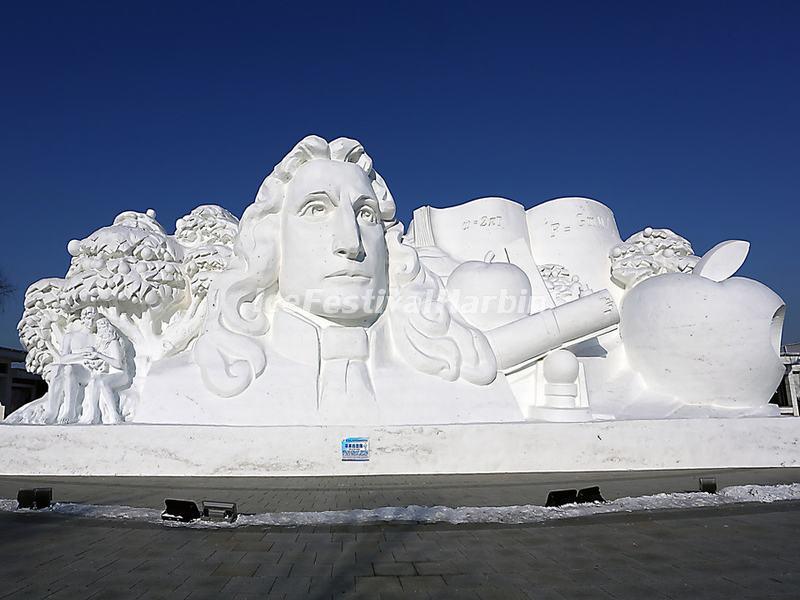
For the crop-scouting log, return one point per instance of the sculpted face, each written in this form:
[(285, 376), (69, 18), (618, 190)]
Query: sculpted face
[(333, 251), (104, 327), (88, 317)]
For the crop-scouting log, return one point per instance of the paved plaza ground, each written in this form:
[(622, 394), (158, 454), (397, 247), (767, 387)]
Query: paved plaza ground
[(732, 552), (735, 551)]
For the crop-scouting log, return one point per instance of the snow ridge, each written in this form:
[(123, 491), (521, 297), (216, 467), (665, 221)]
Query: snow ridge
[(527, 513)]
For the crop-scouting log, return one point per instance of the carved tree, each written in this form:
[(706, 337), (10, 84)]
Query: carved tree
[(150, 285), (133, 273), (42, 326), (206, 235)]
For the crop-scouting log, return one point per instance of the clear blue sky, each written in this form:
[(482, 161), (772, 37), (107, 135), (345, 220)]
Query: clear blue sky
[(675, 114)]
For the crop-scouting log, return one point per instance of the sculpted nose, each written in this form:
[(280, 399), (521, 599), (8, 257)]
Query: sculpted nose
[(347, 236)]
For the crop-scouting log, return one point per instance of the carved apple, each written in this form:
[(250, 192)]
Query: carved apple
[(705, 342), (489, 294)]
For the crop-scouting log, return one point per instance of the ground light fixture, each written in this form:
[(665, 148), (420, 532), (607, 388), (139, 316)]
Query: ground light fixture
[(708, 485), (179, 510), (561, 497), (582, 496), (35, 499), (590, 494), (219, 511)]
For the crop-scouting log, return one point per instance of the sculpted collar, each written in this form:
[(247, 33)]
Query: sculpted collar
[(308, 339), (338, 354)]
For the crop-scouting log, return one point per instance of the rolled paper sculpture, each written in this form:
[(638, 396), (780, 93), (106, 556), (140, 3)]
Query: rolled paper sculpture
[(521, 342)]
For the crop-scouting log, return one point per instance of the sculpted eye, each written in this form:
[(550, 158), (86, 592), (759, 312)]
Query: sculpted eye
[(314, 208), (367, 213)]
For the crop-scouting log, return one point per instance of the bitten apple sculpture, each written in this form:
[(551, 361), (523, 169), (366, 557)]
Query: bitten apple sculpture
[(706, 342)]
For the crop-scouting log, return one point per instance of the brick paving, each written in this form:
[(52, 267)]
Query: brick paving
[(744, 551)]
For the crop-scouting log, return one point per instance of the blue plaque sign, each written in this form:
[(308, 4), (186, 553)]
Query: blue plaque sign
[(355, 449)]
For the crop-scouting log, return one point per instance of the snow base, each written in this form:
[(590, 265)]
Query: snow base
[(527, 447)]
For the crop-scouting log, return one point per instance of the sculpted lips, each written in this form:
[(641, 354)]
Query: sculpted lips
[(348, 274)]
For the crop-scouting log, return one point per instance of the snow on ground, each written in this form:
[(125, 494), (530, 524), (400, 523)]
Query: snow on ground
[(527, 513)]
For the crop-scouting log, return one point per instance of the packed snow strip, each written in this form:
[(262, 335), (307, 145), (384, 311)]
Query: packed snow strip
[(94, 511), (527, 513)]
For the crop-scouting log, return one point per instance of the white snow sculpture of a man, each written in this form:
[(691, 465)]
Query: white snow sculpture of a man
[(111, 366), (325, 316), (71, 370), (95, 363), (313, 295)]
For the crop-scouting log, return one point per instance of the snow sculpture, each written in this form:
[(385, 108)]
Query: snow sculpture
[(73, 367), (42, 325), (92, 366), (651, 252), (562, 285), (150, 288), (317, 308), (693, 340)]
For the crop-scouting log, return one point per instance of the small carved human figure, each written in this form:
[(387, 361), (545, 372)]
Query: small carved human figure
[(71, 371), (93, 367), (110, 370)]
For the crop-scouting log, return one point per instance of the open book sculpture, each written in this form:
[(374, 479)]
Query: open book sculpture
[(317, 307)]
